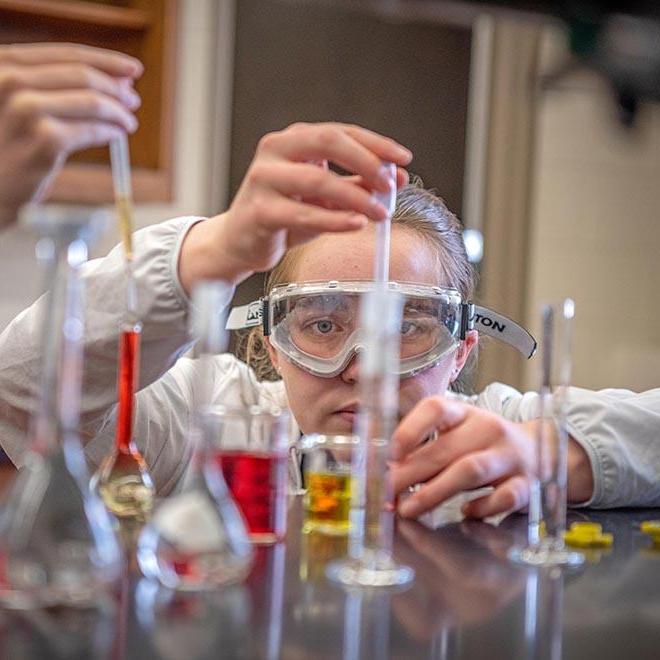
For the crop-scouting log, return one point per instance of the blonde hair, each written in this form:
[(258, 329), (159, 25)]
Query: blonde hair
[(417, 210)]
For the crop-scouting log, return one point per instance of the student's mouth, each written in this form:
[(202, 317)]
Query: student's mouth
[(347, 413)]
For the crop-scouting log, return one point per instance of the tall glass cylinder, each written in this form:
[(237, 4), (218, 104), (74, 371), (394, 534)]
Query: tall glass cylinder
[(548, 488), (57, 541), (370, 561)]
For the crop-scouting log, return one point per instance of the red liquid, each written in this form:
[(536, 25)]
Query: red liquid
[(129, 350), (258, 484)]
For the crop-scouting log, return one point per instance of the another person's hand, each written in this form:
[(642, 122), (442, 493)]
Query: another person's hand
[(289, 197), (56, 99), (472, 448)]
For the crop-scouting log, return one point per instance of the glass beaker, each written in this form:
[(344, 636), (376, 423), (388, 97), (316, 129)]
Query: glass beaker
[(327, 466), (250, 445), (58, 545)]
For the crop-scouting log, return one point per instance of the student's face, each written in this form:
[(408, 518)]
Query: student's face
[(328, 405)]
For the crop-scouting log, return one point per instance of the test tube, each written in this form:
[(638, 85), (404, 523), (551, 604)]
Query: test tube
[(548, 493)]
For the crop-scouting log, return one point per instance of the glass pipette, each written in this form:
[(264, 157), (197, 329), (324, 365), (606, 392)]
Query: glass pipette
[(123, 479), (370, 561), (383, 229)]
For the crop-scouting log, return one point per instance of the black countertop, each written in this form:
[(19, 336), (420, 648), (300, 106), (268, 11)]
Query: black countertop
[(467, 601)]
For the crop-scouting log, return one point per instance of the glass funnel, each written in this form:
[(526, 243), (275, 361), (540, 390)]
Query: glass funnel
[(197, 538), (57, 543)]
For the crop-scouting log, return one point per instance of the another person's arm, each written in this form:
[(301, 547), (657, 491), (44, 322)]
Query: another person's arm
[(56, 99)]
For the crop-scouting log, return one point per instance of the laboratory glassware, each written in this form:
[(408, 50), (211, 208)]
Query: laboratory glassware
[(327, 499), (196, 538), (370, 562), (250, 444), (548, 487), (58, 545), (123, 480)]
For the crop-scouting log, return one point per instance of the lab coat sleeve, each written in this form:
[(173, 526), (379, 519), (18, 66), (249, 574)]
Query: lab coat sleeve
[(618, 429), (162, 308)]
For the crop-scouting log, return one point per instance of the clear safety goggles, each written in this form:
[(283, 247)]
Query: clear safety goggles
[(316, 325)]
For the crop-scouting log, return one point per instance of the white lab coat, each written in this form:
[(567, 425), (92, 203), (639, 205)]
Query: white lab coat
[(619, 429)]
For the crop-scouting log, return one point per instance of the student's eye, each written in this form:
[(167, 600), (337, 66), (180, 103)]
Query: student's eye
[(324, 327)]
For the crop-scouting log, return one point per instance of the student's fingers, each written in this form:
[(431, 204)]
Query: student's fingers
[(66, 77), (111, 62), (304, 142), (472, 471), (432, 414), (83, 105), (384, 147), (302, 180), (402, 178), (283, 213), (511, 495)]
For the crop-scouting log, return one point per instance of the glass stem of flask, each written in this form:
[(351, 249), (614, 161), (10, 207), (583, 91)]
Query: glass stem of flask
[(58, 409)]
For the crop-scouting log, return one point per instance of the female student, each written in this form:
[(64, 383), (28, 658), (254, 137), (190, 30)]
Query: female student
[(313, 225)]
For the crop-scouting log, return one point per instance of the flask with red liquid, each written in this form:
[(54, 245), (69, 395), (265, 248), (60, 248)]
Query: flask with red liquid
[(123, 480)]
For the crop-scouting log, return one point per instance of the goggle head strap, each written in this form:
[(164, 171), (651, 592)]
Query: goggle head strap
[(502, 328), (473, 317)]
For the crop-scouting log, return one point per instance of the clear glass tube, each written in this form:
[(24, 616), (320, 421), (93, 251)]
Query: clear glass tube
[(370, 562), (197, 539), (58, 546), (548, 488)]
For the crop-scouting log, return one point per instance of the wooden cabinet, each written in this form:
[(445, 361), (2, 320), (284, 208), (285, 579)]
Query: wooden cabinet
[(145, 29)]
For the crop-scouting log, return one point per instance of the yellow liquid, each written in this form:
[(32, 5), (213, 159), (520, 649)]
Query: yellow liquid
[(125, 215), (327, 502), (127, 496), (316, 550)]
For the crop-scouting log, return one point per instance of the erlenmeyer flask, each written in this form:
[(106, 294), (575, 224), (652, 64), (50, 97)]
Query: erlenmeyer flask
[(56, 537), (123, 480), (196, 538)]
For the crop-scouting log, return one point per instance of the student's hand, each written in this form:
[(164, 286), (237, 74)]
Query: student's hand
[(473, 448), (56, 99), (289, 197)]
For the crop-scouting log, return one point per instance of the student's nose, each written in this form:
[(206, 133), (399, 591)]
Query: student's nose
[(350, 374)]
